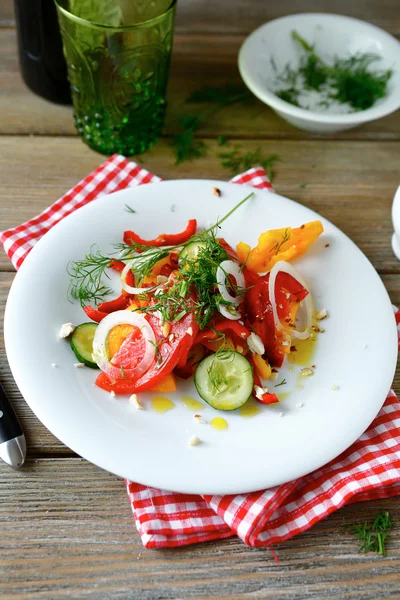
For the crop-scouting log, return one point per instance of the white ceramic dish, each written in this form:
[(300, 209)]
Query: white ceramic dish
[(332, 35), (357, 352), (396, 224)]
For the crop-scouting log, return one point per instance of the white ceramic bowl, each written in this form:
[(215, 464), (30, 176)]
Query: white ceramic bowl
[(332, 35)]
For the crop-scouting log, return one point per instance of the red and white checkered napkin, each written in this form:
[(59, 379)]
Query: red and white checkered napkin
[(369, 469)]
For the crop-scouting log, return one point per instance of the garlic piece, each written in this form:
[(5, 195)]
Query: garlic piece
[(194, 441), (135, 402), (166, 328), (66, 330), (199, 419), (322, 314), (255, 344), (260, 391), (161, 279)]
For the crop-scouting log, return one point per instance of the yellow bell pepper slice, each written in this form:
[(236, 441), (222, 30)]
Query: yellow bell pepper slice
[(262, 366), (151, 279), (167, 384), (279, 244)]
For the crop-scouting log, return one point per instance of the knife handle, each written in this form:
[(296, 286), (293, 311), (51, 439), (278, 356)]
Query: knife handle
[(10, 427)]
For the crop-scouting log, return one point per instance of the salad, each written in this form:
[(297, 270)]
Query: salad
[(191, 305)]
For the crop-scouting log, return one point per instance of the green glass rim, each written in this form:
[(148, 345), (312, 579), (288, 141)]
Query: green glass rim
[(94, 25)]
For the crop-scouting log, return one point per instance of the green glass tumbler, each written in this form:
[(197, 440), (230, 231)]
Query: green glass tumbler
[(118, 55)]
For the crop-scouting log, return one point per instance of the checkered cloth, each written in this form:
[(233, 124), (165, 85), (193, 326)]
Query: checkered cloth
[(368, 470)]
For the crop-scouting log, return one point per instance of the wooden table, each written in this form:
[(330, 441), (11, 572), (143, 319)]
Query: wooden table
[(66, 526)]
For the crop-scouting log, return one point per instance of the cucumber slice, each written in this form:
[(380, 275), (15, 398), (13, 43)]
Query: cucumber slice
[(190, 251), (82, 343), (224, 380)]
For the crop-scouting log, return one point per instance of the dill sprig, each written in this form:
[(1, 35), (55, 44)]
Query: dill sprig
[(278, 245), (372, 536), (347, 81), (238, 161), (142, 257), (129, 209), (185, 143), (283, 382), (86, 283)]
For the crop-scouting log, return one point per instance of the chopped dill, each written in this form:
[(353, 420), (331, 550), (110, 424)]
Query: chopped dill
[(129, 209), (187, 146), (347, 80), (220, 95), (217, 372), (157, 352), (372, 536), (198, 273), (217, 377), (238, 161), (283, 382)]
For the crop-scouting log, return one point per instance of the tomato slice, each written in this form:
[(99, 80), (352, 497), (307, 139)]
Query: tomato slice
[(260, 318), (169, 350), (186, 368)]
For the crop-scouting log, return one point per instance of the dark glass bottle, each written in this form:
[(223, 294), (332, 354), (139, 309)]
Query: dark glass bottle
[(41, 57)]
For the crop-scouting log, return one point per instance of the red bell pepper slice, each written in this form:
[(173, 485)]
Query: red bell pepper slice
[(94, 314), (289, 283), (164, 239), (119, 303), (117, 265), (223, 325), (268, 399), (230, 251), (186, 368), (260, 319), (259, 316)]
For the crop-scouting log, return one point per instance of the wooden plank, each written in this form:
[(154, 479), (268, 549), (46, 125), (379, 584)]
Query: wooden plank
[(246, 15), (43, 443), (67, 531), (197, 60), (351, 184)]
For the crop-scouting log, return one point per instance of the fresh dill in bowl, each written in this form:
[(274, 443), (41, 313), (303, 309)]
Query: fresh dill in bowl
[(346, 85)]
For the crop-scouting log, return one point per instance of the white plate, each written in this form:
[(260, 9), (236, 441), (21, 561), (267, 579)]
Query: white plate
[(357, 352)]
